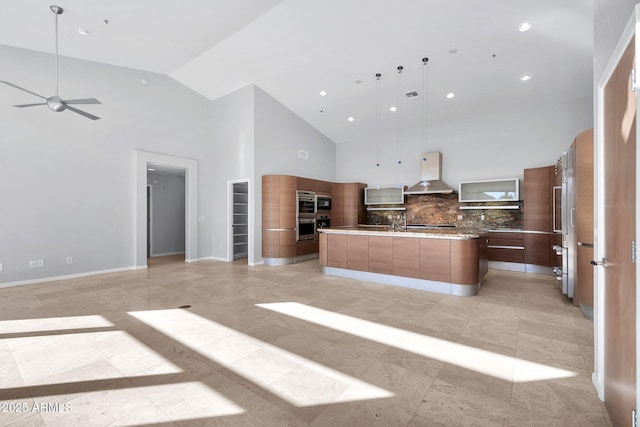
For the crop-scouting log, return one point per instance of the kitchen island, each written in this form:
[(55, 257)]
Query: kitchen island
[(453, 262)]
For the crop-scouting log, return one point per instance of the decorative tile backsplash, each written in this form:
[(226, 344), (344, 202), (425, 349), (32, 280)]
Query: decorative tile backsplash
[(445, 209)]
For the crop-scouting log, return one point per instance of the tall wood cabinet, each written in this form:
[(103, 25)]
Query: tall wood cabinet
[(279, 222), (279, 216), (538, 216), (347, 204), (584, 194)]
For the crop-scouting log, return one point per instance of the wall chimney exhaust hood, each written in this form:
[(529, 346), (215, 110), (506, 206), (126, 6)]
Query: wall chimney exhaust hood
[(431, 176)]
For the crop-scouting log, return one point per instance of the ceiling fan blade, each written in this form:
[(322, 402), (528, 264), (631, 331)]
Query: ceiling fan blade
[(82, 113), (82, 101), (30, 105), (23, 89)]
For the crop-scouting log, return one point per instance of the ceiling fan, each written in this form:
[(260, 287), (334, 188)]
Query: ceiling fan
[(55, 103)]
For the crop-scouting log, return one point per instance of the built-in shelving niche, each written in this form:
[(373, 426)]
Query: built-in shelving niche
[(240, 220)]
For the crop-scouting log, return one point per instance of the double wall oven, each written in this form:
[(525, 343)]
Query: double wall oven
[(306, 208)]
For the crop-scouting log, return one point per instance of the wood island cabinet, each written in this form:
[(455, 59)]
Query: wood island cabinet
[(454, 265), (381, 254)]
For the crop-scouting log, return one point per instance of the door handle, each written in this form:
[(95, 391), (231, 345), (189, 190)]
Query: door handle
[(603, 262)]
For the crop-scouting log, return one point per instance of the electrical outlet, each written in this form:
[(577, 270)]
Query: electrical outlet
[(459, 217), (40, 263), (69, 260), (481, 217), (33, 263)]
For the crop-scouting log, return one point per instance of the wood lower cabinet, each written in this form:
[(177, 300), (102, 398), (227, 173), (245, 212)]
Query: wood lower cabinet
[(505, 246), (358, 253), (537, 249), (337, 251), (406, 257), (435, 259), (465, 252), (381, 254), (279, 244)]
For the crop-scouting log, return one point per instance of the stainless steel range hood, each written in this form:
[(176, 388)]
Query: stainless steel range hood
[(431, 176)]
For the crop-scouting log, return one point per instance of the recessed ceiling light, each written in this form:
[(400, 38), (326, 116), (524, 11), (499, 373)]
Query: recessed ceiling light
[(358, 81), (525, 77), (351, 119), (82, 31), (393, 108), (525, 26), (150, 169), (323, 93), (144, 81), (451, 95), (453, 50)]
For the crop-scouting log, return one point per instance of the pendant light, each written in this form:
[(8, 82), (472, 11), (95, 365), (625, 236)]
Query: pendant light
[(378, 75)]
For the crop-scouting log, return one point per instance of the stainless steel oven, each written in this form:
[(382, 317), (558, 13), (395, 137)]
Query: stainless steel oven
[(306, 204), (306, 229)]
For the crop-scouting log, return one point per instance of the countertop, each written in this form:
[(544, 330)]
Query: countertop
[(385, 230)]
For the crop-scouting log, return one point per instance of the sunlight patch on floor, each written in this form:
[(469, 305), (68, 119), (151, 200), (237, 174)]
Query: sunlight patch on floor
[(68, 358), (293, 378), (53, 324), (497, 365)]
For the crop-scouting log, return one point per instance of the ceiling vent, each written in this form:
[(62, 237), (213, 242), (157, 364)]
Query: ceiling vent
[(412, 94)]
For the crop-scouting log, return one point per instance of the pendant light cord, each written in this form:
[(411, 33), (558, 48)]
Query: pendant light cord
[(378, 75), (424, 103), (399, 118)]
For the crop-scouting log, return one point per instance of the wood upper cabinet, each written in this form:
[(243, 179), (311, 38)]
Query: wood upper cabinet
[(538, 183), (315, 185)]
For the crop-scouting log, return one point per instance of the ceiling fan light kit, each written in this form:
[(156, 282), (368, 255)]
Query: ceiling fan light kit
[(55, 103)]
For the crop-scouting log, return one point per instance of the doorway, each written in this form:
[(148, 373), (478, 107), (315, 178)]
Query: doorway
[(615, 317), (165, 212), (239, 235), (190, 167)]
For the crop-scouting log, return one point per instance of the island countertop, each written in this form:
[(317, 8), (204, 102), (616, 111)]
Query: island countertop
[(385, 230)]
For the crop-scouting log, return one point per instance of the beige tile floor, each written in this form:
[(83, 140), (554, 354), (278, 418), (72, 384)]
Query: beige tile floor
[(288, 346)]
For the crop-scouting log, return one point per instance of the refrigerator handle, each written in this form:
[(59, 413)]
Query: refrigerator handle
[(572, 217)]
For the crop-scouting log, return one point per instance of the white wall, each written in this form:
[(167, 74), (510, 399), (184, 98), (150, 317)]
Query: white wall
[(255, 135), (232, 126), (486, 145), (167, 212), (67, 182)]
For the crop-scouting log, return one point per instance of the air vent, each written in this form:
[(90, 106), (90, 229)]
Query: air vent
[(412, 94)]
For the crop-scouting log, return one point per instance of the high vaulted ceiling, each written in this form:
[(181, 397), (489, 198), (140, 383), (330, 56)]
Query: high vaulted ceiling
[(293, 49)]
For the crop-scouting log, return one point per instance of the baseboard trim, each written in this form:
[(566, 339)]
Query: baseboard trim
[(70, 276), (167, 254)]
